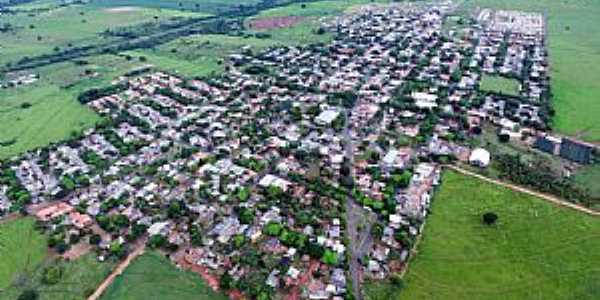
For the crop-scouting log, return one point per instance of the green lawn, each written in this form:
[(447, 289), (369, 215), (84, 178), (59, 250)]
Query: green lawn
[(535, 251), (574, 42), (152, 275), (79, 279), (316, 9), (499, 84), (22, 249)]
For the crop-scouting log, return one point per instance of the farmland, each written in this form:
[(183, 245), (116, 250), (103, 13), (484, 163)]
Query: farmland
[(573, 43), (500, 85), (152, 274), (21, 250), (61, 28), (535, 251)]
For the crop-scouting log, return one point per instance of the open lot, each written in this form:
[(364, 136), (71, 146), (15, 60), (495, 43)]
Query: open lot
[(501, 85), (152, 274), (574, 42), (22, 249), (79, 279), (535, 251)]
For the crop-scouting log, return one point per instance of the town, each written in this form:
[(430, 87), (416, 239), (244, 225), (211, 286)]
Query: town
[(301, 171)]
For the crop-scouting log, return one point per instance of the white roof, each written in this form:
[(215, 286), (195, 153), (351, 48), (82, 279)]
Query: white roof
[(327, 116), (480, 156)]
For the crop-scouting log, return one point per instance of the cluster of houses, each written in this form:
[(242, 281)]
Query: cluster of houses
[(249, 173)]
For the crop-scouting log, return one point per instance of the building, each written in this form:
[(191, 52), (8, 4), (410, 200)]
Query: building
[(548, 144), (576, 151), (480, 157), (327, 117)]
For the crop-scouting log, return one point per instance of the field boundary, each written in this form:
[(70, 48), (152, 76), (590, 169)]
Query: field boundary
[(549, 198)]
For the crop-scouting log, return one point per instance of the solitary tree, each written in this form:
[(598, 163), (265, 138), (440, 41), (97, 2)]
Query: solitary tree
[(490, 218)]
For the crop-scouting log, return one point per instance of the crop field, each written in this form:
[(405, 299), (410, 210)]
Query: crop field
[(501, 85), (152, 274), (61, 28), (78, 280), (535, 250), (21, 250), (574, 41)]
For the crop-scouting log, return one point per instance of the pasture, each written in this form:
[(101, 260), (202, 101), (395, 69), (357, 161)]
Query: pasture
[(574, 40), (151, 274), (36, 115), (22, 249), (535, 250)]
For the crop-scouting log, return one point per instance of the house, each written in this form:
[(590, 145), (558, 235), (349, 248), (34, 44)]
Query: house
[(576, 151), (54, 211), (327, 117)]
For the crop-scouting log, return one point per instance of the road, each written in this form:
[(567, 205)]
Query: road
[(360, 239), (139, 250), (514, 187)]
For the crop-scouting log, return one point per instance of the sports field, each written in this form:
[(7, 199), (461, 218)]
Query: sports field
[(535, 251), (574, 41), (22, 249), (499, 84), (151, 275)]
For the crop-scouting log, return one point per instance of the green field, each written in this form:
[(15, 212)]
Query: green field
[(316, 9), (79, 279), (152, 275), (212, 6), (22, 249), (72, 26), (588, 177), (535, 251), (575, 60), (54, 114), (499, 84)]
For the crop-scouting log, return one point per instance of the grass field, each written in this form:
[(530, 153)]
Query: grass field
[(315, 9), (54, 114), (535, 251), (211, 6), (574, 42), (72, 26), (589, 176), (22, 249), (499, 84), (152, 275), (79, 279)]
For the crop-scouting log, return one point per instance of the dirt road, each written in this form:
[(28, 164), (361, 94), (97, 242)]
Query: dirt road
[(117, 271), (552, 199)]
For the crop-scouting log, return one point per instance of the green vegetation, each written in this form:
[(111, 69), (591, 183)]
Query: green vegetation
[(316, 9), (536, 250), (72, 280), (211, 6), (22, 249), (501, 85), (588, 177), (152, 274), (54, 115), (574, 57), (56, 29)]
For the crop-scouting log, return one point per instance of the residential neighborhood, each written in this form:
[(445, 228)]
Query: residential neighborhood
[(300, 172)]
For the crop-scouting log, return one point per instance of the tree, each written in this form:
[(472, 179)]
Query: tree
[(490, 218), (28, 294), (95, 239)]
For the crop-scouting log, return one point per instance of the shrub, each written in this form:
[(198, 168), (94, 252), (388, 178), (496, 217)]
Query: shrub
[(490, 218)]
